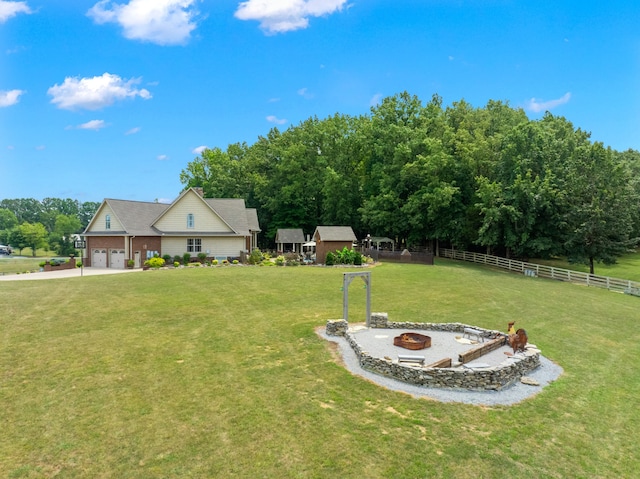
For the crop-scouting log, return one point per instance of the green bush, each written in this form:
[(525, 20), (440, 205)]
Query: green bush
[(255, 257), (166, 258), (176, 264), (186, 258), (202, 257), (177, 259), (235, 261), (357, 259), (155, 262), (214, 262), (330, 260), (280, 261)]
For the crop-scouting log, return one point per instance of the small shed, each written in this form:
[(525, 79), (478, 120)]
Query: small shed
[(289, 239), (332, 238)]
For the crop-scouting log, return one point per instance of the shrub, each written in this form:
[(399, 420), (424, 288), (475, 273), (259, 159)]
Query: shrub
[(357, 259), (176, 264), (177, 259), (214, 262), (280, 261), (155, 262), (235, 261), (224, 261), (255, 257), (330, 259), (166, 258), (202, 257), (186, 258), (292, 259)]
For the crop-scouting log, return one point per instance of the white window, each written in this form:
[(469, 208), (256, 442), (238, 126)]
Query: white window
[(107, 222), (194, 245), (190, 221)]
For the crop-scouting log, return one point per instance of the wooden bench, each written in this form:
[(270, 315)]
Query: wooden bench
[(443, 363), (473, 332), (409, 358)]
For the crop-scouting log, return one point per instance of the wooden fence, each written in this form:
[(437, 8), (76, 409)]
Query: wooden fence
[(540, 270)]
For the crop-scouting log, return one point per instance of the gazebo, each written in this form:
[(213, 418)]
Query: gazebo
[(292, 238), (376, 241)]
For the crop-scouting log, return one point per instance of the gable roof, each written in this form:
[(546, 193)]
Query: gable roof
[(335, 233), (232, 211), (138, 218), (252, 219), (135, 217), (289, 235)]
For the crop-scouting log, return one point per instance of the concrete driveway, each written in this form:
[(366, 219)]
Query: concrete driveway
[(65, 273)]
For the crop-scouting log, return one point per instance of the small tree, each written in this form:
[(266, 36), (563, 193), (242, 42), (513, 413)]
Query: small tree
[(330, 260), (255, 257)]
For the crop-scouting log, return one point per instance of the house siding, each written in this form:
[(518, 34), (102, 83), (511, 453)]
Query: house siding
[(216, 247), (100, 220), (204, 218)]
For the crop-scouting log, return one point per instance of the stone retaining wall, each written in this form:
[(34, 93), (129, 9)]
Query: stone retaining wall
[(461, 377)]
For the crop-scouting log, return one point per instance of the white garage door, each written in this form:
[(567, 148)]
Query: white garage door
[(116, 259), (99, 258)]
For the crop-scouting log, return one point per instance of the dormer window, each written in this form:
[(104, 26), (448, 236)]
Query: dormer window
[(107, 222), (190, 221)]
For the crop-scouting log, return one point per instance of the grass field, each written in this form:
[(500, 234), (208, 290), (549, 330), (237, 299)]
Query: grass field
[(627, 266), (217, 373)]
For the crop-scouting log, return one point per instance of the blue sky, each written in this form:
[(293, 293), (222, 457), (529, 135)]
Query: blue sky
[(112, 99)]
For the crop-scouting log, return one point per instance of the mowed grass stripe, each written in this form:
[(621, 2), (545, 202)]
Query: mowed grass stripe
[(217, 372)]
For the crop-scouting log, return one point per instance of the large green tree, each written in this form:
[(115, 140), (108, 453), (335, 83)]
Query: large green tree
[(29, 235), (602, 204)]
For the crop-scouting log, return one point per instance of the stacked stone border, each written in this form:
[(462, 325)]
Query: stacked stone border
[(457, 377)]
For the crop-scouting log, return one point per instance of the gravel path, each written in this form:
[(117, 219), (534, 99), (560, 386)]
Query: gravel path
[(545, 374)]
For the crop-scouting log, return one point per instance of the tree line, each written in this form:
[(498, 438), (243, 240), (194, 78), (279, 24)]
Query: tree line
[(50, 223), (427, 175)]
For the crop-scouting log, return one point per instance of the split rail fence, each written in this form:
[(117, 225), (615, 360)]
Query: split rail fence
[(543, 271)]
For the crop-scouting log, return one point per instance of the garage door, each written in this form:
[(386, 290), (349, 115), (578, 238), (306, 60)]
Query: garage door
[(116, 259), (99, 258)]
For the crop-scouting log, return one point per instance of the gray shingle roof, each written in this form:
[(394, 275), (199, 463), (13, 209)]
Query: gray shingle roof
[(335, 233), (289, 235), (137, 217)]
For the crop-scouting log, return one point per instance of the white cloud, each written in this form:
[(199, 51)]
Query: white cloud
[(40, 147), (286, 15), (536, 105), (304, 93), (95, 93), (11, 9), (375, 99), (10, 97), (274, 119), (93, 125), (164, 22), (162, 157), (198, 150), (133, 131)]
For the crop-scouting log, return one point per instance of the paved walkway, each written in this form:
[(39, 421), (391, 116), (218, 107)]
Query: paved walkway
[(65, 273)]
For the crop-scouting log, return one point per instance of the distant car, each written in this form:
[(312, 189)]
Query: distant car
[(5, 250)]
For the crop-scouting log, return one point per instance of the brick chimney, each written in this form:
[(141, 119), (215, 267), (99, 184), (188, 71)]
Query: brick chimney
[(199, 190)]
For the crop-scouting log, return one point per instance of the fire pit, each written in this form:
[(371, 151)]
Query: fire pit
[(412, 341)]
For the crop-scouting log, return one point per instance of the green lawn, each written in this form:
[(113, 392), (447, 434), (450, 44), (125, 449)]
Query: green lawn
[(217, 373)]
